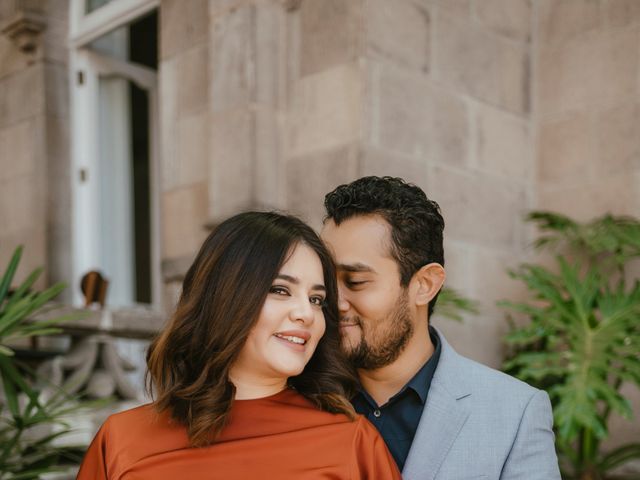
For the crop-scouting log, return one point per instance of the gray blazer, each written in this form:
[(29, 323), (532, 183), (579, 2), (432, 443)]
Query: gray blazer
[(479, 423)]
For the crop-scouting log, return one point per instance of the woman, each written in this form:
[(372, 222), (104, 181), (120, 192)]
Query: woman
[(248, 378)]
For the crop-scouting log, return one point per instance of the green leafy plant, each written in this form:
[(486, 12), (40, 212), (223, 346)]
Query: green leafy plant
[(582, 341), (25, 451), (452, 305)]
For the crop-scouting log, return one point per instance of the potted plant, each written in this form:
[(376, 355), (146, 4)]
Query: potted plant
[(582, 339), (29, 425)]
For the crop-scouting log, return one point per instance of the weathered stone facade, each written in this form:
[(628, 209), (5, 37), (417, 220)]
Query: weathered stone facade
[(494, 107)]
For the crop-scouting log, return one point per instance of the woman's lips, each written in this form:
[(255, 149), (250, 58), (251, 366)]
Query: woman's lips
[(294, 339)]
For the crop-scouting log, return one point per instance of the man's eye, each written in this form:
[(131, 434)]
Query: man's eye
[(353, 284), (278, 290)]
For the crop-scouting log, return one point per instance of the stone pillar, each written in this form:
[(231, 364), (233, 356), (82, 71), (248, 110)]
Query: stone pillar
[(34, 119), (184, 137)]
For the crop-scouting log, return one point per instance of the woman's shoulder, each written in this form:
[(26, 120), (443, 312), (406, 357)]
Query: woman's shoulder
[(141, 431)]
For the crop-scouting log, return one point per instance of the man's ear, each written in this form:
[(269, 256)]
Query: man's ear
[(428, 282)]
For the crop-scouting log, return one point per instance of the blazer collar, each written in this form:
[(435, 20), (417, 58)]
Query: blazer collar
[(442, 419)]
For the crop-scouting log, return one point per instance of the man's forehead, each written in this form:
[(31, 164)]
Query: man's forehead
[(358, 241)]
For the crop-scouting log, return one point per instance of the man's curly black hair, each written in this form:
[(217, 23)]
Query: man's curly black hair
[(416, 222)]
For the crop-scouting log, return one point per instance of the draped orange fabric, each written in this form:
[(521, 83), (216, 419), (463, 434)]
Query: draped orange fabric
[(283, 437)]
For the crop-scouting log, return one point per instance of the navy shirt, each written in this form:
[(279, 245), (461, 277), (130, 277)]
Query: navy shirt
[(397, 420)]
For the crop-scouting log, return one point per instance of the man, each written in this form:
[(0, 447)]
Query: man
[(442, 415)]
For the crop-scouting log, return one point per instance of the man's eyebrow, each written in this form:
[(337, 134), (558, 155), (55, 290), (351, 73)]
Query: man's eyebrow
[(296, 281), (355, 268)]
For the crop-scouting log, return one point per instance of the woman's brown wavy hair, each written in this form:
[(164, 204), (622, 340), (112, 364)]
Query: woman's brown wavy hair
[(222, 295)]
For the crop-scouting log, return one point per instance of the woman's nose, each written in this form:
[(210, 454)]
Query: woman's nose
[(302, 311)]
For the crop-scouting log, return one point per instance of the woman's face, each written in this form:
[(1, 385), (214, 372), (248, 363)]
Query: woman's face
[(290, 324)]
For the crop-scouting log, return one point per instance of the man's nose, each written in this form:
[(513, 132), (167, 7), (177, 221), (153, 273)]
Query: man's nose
[(343, 303)]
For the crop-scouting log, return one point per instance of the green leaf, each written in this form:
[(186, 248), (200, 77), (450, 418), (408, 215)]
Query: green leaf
[(5, 282), (620, 456), (6, 351)]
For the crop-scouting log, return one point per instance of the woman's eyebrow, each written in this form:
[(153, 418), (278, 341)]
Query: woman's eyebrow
[(296, 281)]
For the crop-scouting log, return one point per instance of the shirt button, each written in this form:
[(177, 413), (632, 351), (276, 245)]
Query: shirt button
[(376, 413)]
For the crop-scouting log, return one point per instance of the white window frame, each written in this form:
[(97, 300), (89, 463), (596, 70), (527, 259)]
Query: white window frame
[(85, 151)]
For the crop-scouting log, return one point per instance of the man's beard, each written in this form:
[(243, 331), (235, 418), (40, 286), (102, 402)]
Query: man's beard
[(388, 344)]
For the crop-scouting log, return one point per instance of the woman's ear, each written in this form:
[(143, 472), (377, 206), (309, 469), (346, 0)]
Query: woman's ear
[(428, 280)]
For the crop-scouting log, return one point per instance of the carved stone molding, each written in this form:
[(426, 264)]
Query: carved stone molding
[(24, 29)]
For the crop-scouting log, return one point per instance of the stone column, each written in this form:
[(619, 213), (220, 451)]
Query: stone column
[(34, 119)]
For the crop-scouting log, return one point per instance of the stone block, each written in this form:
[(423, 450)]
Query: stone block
[(325, 110), (412, 117), (601, 68), (489, 68), (56, 39), (24, 203), (170, 297), (491, 281), (269, 185), (59, 256), (168, 112), (192, 149), (17, 152), (192, 80), (618, 137), (233, 59), (182, 25), (374, 161), (57, 89), (478, 208), (511, 18), (58, 154), (11, 58), (620, 13), (34, 253), (617, 194), (330, 34), (461, 8), (399, 32), (504, 144), (560, 21), (566, 149), (457, 259), (232, 163), (220, 7), (478, 337), (311, 177), (23, 95), (271, 53), (58, 161), (184, 216)]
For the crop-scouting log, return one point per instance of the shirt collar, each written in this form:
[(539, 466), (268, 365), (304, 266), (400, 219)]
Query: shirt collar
[(421, 381)]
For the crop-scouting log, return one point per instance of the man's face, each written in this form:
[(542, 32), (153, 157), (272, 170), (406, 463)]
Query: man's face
[(376, 319)]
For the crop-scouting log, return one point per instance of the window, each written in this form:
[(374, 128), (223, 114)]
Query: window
[(115, 199)]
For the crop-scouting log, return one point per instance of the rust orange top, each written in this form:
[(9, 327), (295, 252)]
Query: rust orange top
[(283, 437)]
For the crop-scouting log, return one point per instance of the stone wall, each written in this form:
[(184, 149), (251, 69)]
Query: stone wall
[(586, 114), (437, 93)]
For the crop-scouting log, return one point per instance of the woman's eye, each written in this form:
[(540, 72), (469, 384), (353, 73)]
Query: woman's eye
[(353, 284), (279, 290), (318, 301)]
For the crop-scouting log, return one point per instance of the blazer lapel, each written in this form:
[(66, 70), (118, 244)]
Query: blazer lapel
[(441, 421)]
